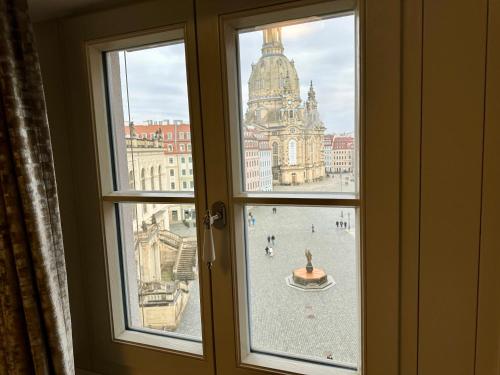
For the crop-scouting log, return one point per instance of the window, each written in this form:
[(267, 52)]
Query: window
[(275, 154), (131, 182), (181, 147), (152, 175), (292, 152), (189, 147), (169, 136), (160, 177), (143, 179), (272, 177), (161, 281), (287, 243)]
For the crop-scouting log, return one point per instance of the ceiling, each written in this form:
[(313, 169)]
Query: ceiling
[(43, 10)]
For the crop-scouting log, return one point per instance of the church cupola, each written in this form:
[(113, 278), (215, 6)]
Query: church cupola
[(271, 44)]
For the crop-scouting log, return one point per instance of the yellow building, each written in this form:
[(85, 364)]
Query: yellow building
[(275, 108)]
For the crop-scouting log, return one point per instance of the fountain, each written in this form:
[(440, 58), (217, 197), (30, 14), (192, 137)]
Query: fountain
[(309, 277)]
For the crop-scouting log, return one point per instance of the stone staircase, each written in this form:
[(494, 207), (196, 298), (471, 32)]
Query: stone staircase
[(185, 262)]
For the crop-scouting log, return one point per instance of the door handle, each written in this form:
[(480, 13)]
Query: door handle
[(214, 217)]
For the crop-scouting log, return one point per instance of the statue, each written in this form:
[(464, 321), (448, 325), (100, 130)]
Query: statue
[(309, 266)]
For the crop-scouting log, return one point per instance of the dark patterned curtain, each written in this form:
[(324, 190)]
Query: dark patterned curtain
[(35, 323)]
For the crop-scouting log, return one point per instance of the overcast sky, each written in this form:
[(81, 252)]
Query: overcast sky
[(323, 52)]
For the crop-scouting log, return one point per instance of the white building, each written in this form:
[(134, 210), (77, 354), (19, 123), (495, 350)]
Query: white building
[(327, 152), (265, 163)]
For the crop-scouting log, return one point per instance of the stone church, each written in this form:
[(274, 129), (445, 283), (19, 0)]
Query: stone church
[(275, 108)]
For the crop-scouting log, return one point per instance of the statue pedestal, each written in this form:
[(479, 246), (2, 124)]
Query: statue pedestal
[(315, 280)]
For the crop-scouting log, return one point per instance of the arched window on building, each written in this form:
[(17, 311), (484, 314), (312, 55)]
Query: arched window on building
[(160, 185), (275, 154), (152, 178), (292, 152), (131, 181), (143, 187), (143, 179)]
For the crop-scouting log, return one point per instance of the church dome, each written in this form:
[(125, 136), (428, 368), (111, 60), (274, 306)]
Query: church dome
[(274, 74)]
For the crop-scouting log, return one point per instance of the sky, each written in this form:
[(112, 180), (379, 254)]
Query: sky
[(323, 51)]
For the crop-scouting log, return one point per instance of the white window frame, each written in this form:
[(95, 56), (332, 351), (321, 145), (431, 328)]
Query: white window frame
[(120, 332)]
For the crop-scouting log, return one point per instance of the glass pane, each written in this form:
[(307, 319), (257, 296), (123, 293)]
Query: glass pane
[(160, 266), (303, 283), (148, 103), (298, 115)]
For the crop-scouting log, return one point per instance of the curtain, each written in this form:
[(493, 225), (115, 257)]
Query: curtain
[(35, 323)]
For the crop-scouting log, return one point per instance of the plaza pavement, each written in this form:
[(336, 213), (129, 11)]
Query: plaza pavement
[(311, 324)]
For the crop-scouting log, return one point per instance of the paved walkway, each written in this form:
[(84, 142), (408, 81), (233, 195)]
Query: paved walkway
[(294, 322)]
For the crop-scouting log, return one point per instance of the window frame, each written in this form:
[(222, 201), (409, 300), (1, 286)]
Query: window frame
[(173, 352), (377, 40)]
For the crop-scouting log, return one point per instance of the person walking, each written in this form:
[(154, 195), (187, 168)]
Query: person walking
[(267, 250), (272, 239), (253, 221), (271, 252), (345, 224), (342, 224), (312, 228), (337, 224), (274, 210), (268, 240)]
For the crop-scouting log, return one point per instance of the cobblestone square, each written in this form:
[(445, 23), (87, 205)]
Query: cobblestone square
[(287, 321)]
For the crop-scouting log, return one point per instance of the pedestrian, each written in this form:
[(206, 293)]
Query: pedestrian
[(345, 224), (268, 239), (272, 239), (267, 250), (253, 221), (312, 228), (337, 223), (342, 224), (271, 252)]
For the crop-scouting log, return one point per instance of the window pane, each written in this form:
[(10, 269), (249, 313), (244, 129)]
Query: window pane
[(159, 252), (298, 115), (148, 102), (304, 308)]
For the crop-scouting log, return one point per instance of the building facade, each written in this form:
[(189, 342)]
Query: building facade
[(275, 109), (327, 152), (342, 154)]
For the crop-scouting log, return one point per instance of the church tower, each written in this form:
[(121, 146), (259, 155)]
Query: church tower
[(311, 110)]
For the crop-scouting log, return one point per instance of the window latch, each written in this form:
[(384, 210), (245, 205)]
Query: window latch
[(214, 217)]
